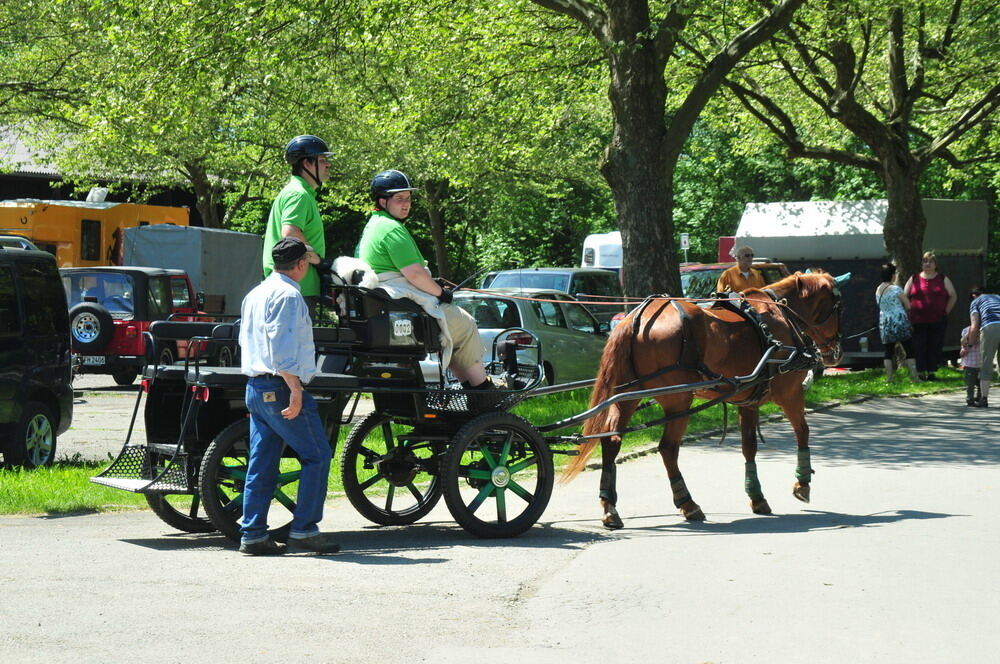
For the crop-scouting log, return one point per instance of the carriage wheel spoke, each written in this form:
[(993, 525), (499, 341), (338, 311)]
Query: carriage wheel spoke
[(390, 442), (521, 465), (501, 497), (370, 481), (415, 492), (195, 504), (505, 450), (487, 456), (521, 492), (388, 498), (484, 493), (477, 474)]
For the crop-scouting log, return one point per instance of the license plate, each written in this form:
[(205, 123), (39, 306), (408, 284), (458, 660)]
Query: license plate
[(93, 360)]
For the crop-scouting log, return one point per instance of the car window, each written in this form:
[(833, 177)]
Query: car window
[(179, 294), (487, 311), (771, 274), (597, 284), (578, 318), (159, 298), (111, 290), (549, 313), (47, 313), (10, 315), (699, 283), (548, 280)]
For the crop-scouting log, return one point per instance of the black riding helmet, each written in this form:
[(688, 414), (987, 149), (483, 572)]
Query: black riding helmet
[(387, 183), (306, 147)]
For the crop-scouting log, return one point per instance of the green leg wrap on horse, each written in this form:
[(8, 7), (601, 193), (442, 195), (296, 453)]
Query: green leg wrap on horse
[(680, 491), (804, 471), (751, 483)]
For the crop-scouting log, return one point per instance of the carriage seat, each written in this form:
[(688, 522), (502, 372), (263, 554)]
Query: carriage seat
[(387, 324), (233, 377)]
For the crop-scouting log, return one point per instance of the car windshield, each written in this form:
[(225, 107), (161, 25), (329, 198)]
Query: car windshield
[(111, 290), (491, 312), (699, 283), (529, 279)]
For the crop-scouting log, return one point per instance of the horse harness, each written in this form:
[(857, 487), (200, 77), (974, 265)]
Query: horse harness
[(803, 357)]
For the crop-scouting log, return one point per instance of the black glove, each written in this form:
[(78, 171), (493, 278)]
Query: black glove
[(446, 295), (325, 266)]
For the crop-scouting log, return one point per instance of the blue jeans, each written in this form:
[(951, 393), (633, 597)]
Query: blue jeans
[(266, 397)]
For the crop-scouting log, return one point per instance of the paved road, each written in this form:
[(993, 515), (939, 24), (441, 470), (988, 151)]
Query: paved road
[(895, 560)]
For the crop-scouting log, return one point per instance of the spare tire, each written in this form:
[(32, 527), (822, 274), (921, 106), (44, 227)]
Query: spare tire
[(91, 327)]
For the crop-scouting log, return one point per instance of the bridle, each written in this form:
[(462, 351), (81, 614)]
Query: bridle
[(826, 345)]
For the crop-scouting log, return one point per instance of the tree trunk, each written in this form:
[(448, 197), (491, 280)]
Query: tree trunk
[(634, 162), (205, 193), (437, 190), (905, 222)]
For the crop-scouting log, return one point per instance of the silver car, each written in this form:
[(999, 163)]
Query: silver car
[(571, 338)]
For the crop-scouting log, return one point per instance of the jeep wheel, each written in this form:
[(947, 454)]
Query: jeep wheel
[(34, 442), (166, 357), (125, 376), (225, 357), (90, 326)]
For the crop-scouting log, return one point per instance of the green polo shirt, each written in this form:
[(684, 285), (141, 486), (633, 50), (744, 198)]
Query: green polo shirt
[(296, 205), (386, 245)]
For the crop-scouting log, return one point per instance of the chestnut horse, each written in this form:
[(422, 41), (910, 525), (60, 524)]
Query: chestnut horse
[(668, 342)]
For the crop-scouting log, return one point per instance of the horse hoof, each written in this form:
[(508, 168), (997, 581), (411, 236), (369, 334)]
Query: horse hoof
[(612, 522), (801, 491), (760, 507), (693, 514)]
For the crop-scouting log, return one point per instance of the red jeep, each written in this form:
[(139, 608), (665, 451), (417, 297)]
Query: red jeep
[(111, 307)]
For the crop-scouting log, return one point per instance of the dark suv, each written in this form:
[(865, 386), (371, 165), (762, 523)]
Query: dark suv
[(36, 392), (111, 307)]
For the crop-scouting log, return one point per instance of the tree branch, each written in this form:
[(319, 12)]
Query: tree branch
[(588, 14)]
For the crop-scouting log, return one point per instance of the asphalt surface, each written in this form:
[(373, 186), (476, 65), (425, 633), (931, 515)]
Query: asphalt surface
[(895, 560)]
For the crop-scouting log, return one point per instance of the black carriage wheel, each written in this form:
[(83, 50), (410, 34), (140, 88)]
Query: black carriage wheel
[(34, 441), (183, 511), (91, 327), (223, 477), (388, 483), (498, 475)]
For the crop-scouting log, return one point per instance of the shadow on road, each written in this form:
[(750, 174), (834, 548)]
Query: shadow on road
[(808, 521), (375, 545)]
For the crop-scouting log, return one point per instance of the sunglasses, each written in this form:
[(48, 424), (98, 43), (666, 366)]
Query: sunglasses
[(746, 255)]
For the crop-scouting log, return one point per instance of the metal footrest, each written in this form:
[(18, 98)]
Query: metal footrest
[(140, 470)]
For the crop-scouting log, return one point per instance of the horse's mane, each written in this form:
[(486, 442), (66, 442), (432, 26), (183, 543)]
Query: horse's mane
[(806, 284)]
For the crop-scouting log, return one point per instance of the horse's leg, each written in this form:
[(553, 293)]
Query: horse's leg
[(795, 410), (669, 448), (610, 446), (749, 416)]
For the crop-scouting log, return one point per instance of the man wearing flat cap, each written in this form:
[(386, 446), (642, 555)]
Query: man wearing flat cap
[(279, 357)]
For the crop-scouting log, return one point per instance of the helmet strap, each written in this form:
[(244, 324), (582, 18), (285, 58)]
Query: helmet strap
[(314, 175)]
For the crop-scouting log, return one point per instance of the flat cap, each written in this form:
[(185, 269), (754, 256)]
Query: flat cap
[(288, 250)]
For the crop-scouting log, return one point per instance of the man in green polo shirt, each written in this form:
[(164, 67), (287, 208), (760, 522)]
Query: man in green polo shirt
[(295, 213), (387, 246)]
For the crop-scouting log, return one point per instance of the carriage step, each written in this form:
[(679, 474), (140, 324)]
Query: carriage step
[(138, 471), (140, 485)]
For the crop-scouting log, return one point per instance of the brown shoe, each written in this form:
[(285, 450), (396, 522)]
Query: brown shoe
[(266, 547), (318, 543)]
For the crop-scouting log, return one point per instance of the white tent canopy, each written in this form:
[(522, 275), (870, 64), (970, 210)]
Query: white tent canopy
[(815, 230)]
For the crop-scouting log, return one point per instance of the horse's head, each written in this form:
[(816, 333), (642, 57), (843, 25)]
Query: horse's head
[(819, 296)]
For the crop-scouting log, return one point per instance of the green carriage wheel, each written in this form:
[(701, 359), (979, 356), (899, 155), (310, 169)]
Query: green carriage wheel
[(498, 475), (389, 481), (223, 478)]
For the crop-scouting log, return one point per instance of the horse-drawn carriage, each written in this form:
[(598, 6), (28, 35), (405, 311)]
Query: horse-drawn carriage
[(424, 440)]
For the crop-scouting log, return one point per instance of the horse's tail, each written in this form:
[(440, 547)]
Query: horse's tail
[(615, 368)]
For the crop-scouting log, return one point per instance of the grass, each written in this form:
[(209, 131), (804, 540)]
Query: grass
[(65, 488)]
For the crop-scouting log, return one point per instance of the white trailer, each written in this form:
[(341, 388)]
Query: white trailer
[(603, 250), (846, 236)]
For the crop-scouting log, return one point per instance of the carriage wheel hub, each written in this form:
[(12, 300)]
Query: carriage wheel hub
[(500, 476)]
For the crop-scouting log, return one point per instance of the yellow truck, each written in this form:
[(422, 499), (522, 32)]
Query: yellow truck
[(82, 233)]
